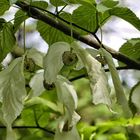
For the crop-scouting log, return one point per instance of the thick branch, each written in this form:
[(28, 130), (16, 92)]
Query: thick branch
[(37, 14)]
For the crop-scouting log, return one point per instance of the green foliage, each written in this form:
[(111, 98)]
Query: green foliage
[(134, 98), (57, 2), (131, 48), (7, 40), (40, 4), (89, 17), (20, 16), (105, 5), (12, 1), (4, 6), (49, 96), (47, 32), (127, 15)]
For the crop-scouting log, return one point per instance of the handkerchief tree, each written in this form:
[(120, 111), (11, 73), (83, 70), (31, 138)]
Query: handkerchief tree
[(39, 92)]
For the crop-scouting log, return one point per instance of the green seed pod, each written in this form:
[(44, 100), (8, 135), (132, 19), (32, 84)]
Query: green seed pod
[(48, 86), (101, 59), (69, 58), (29, 65)]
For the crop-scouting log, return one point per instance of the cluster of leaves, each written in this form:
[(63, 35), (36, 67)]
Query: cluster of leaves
[(36, 88)]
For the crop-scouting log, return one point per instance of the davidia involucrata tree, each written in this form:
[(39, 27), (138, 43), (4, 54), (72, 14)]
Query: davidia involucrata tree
[(66, 92)]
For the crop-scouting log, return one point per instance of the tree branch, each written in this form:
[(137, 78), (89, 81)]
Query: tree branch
[(37, 14), (84, 75), (31, 127)]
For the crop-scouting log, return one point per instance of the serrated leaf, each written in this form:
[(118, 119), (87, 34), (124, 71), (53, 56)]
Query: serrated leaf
[(66, 94), (40, 4), (36, 56), (36, 84), (131, 49), (87, 2), (110, 3), (85, 16), (81, 2), (53, 61), (121, 99), (57, 2), (70, 135), (50, 34), (7, 40), (106, 5), (12, 1), (12, 91), (134, 99), (68, 17), (127, 15), (20, 16), (97, 77), (4, 6), (2, 21)]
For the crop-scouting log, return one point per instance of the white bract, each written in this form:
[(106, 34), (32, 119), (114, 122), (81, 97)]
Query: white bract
[(53, 61), (98, 80)]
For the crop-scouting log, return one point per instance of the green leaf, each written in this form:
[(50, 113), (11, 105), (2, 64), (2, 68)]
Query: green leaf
[(87, 2), (68, 17), (121, 99), (97, 77), (50, 34), (12, 1), (40, 4), (36, 56), (70, 135), (135, 98), (2, 21), (85, 17), (4, 6), (119, 136), (131, 49), (7, 40), (106, 5), (12, 91), (20, 16), (42, 102), (133, 136), (57, 2), (109, 3), (127, 15), (53, 61), (36, 84)]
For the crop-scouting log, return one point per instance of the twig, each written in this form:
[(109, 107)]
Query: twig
[(31, 127), (84, 75)]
